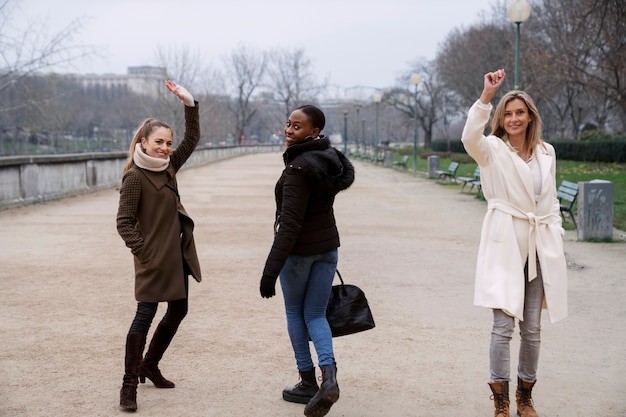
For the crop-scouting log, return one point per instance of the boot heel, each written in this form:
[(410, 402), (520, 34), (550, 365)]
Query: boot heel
[(142, 379)]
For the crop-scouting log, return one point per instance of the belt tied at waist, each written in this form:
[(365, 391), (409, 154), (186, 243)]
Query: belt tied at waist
[(533, 236)]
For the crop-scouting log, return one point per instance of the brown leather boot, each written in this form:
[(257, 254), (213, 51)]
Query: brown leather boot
[(304, 390), (161, 339), (500, 398), (523, 398), (134, 349)]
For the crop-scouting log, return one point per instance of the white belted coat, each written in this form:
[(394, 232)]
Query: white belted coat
[(515, 227)]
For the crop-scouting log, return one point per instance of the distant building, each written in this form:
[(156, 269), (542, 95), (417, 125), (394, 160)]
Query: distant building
[(144, 80)]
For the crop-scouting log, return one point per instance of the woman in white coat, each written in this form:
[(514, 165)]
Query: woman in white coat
[(521, 264)]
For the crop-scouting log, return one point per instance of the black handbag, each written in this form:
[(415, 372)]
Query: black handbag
[(348, 311)]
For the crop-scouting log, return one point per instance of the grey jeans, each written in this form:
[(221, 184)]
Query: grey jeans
[(530, 334)]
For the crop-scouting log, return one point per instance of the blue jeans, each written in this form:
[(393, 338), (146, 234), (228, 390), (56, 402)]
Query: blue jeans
[(530, 334), (306, 283)]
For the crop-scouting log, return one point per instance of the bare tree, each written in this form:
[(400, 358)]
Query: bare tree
[(466, 55), (572, 61), (432, 100), (244, 72), (585, 45), (185, 67), (291, 79), (25, 51)]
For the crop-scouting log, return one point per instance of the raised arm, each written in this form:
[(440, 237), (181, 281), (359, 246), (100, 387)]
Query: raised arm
[(192, 125)]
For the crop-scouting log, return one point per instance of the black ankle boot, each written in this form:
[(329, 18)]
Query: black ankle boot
[(327, 395), (134, 349), (304, 390)]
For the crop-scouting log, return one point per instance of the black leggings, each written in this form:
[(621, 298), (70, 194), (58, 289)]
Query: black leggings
[(176, 312)]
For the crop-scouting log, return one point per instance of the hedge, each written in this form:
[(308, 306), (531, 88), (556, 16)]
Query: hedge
[(592, 151)]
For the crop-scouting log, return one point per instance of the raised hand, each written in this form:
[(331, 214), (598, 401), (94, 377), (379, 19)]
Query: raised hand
[(492, 81), (180, 92)]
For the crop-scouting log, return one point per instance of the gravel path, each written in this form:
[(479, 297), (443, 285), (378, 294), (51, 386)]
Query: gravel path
[(67, 287)]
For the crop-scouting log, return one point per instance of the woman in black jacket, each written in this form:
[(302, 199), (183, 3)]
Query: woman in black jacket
[(304, 252)]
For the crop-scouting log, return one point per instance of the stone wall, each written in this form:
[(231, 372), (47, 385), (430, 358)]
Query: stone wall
[(32, 179)]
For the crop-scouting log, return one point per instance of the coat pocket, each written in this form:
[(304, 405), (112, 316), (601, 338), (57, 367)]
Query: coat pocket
[(143, 256)]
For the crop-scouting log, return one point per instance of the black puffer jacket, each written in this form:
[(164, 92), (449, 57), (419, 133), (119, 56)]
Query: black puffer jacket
[(305, 192)]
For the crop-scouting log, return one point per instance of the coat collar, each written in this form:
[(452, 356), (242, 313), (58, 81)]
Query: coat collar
[(545, 164), (157, 179), (309, 144), (544, 159)]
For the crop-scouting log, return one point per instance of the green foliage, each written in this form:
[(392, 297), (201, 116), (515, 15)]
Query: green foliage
[(565, 170), (594, 135), (592, 151), (599, 147), (441, 145)]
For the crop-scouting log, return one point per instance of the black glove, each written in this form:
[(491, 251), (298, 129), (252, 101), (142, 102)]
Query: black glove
[(268, 286)]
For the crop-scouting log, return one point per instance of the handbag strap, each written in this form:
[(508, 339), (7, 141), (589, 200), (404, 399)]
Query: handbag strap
[(339, 275)]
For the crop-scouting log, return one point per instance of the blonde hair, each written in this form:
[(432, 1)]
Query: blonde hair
[(144, 130), (533, 132)]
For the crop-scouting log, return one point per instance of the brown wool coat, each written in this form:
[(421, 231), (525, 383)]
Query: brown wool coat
[(156, 227)]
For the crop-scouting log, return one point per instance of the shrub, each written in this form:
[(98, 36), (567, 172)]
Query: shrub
[(593, 151)]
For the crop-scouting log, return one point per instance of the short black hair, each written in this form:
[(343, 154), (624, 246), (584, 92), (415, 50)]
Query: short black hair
[(315, 115)]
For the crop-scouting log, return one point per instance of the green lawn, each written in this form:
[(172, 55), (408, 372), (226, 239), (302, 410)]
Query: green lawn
[(587, 171), (565, 170)]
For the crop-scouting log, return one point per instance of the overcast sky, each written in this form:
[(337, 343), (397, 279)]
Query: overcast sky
[(353, 42)]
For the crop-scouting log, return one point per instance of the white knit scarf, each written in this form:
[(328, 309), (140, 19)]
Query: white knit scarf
[(145, 161)]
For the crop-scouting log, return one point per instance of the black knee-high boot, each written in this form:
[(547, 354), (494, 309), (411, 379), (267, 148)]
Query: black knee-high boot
[(161, 339), (134, 349), (327, 395)]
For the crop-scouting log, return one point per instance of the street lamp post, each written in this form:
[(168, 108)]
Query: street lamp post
[(363, 135), (518, 12), (377, 97), (358, 136), (416, 80), (345, 132)]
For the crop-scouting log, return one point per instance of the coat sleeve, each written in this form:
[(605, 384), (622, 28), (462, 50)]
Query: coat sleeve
[(472, 137), (127, 227), (296, 192), (190, 140)]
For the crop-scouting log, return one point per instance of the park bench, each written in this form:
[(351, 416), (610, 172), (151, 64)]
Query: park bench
[(473, 181), (567, 193), (403, 162), (361, 155), (449, 173)]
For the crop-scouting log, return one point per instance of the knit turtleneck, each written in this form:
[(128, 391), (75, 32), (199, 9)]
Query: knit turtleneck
[(145, 161)]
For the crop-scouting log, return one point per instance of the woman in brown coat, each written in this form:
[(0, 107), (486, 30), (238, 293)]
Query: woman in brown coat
[(155, 226)]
